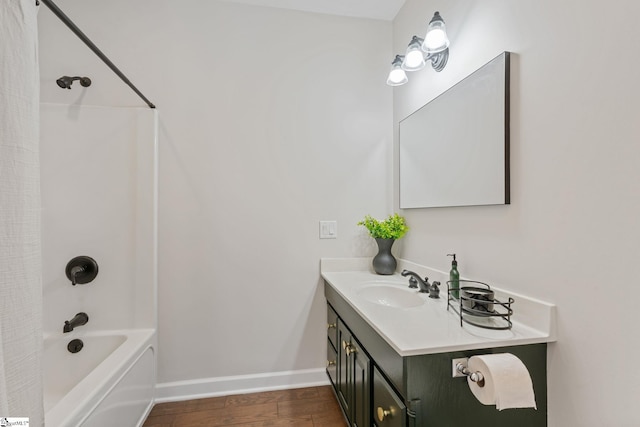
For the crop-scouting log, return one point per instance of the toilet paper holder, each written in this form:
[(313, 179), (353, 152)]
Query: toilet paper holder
[(460, 369)]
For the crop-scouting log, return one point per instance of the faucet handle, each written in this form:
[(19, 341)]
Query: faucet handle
[(81, 269), (413, 283), (434, 290)]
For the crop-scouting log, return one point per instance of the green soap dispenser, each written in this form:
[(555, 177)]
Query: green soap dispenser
[(454, 278)]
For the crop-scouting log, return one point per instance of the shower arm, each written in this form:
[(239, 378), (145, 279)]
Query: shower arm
[(74, 28)]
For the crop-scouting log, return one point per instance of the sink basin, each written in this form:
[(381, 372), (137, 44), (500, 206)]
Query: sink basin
[(390, 296)]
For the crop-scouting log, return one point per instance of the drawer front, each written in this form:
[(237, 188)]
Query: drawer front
[(332, 363), (332, 327), (388, 409)]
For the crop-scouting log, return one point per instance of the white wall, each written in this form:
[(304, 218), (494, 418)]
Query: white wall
[(571, 234), (271, 120)]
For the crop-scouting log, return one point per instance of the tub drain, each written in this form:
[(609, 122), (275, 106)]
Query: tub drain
[(75, 346)]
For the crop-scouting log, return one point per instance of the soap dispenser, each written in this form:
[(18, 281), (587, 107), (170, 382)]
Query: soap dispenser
[(454, 278)]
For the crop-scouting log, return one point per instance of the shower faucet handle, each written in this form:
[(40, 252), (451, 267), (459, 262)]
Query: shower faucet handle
[(81, 269)]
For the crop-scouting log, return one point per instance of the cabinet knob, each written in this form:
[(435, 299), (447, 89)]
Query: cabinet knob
[(331, 363), (331, 325), (384, 413), (348, 348)]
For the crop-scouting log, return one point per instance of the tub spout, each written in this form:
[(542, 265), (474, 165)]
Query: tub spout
[(78, 320)]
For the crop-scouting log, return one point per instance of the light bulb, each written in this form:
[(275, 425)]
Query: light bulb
[(436, 39), (414, 58), (397, 77)]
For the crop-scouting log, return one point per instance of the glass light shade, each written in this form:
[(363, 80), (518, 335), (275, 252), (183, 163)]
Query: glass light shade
[(397, 76), (414, 58), (436, 39)]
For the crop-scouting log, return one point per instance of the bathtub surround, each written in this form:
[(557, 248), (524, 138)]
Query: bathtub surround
[(99, 192), (20, 263), (98, 198)]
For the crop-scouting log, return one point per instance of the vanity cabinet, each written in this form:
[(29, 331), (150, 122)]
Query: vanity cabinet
[(378, 387)]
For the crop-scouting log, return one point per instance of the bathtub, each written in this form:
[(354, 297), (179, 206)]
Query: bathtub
[(109, 382)]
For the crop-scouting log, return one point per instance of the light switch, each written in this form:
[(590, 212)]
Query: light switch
[(328, 229)]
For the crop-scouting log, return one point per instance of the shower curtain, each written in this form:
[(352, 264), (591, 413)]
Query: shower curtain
[(20, 258)]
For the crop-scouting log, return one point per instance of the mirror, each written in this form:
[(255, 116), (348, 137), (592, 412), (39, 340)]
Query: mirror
[(454, 151)]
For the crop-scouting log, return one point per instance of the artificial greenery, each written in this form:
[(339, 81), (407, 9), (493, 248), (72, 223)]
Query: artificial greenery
[(394, 227)]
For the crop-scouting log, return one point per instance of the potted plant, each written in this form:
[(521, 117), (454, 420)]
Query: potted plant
[(385, 233)]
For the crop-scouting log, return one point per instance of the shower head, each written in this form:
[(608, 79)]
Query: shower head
[(65, 81)]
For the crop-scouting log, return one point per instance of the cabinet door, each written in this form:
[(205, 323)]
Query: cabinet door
[(352, 379), (332, 327), (388, 408), (361, 386), (344, 370), (332, 364)]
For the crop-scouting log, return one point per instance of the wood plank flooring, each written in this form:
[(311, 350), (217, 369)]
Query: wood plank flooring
[(302, 407)]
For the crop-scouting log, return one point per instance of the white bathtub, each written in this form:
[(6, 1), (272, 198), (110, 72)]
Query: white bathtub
[(109, 382)]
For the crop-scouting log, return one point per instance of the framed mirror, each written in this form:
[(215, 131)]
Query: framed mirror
[(454, 151)]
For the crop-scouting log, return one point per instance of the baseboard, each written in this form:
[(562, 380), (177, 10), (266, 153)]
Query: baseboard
[(241, 384)]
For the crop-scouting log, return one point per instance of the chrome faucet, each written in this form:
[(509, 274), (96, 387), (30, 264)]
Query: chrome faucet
[(425, 287), (78, 320)]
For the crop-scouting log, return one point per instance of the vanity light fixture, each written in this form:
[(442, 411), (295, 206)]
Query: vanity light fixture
[(433, 47)]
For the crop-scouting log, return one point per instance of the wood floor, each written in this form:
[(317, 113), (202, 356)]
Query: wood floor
[(302, 407)]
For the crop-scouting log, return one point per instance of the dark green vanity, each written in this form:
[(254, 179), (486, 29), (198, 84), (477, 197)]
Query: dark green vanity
[(376, 386)]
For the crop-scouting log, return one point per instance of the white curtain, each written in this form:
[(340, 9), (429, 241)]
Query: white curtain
[(20, 253)]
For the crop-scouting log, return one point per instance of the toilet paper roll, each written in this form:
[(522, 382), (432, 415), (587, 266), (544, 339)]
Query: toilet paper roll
[(507, 383)]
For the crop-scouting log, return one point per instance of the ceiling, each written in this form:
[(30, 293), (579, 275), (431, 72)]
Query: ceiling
[(374, 9)]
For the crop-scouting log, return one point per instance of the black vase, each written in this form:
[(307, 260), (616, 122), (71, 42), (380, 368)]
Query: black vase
[(384, 262)]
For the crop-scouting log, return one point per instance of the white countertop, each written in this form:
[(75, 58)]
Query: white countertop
[(430, 328)]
